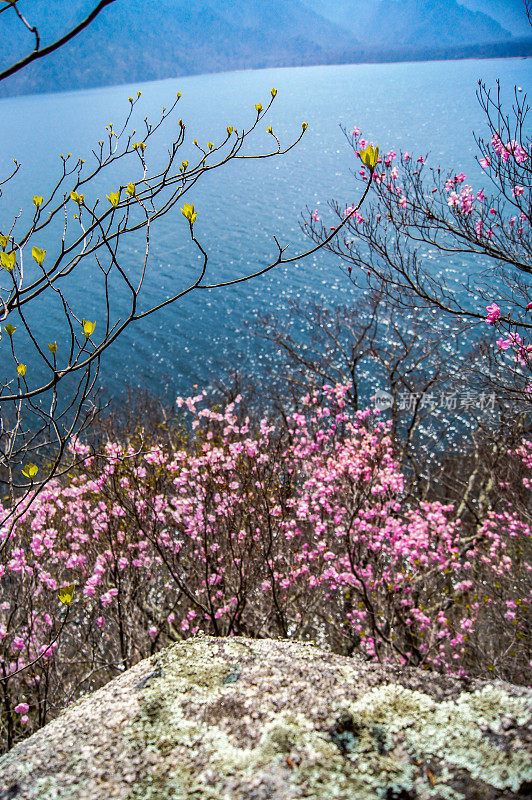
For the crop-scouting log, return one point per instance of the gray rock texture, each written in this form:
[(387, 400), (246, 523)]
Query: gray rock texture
[(242, 719)]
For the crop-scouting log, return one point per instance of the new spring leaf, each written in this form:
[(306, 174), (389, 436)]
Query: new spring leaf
[(370, 157), (88, 327), (66, 594), (114, 198), (38, 255), (8, 261), (189, 212)]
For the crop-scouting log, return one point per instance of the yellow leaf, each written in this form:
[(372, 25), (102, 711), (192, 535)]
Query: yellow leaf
[(30, 471), (130, 189), (4, 241), (77, 198), (189, 212), (88, 327), (114, 198), (52, 347), (66, 594), (21, 369), (9, 329), (37, 201), (38, 255), (370, 157), (8, 260)]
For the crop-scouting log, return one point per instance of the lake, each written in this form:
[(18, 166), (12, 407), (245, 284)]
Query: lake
[(419, 107)]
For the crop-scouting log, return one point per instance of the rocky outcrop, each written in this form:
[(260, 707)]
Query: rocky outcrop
[(239, 719)]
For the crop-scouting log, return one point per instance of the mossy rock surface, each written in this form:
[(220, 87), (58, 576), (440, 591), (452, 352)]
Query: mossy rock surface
[(242, 719)]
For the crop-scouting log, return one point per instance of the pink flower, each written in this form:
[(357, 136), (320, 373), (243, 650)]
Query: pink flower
[(494, 312), (518, 190), (108, 597), (503, 344), (24, 720), (18, 643), (22, 708), (152, 630)]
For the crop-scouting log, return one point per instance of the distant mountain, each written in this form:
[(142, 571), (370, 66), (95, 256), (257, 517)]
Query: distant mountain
[(510, 13), (413, 23), (135, 40)]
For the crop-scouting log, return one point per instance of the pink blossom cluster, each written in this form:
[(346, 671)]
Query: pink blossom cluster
[(302, 529)]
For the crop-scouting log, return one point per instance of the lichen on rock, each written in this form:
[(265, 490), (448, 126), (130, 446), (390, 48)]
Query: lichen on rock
[(239, 719)]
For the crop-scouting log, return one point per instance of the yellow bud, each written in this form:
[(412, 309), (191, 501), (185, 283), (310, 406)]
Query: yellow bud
[(258, 106), (52, 347), (114, 198), (8, 260), (304, 126), (21, 369), (229, 129), (30, 470), (184, 164), (130, 189), (77, 198), (274, 92), (189, 212), (9, 329), (130, 99), (4, 241), (139, 94), (37, 201), (210, 145), (38, 255), (66, 594), (370, 157), (179, 95), (269, 129), (88, 327)]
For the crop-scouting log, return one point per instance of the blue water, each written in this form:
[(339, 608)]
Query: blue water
[(419, 107)]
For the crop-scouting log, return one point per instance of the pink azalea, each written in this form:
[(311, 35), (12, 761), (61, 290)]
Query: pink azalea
[(494, 312)]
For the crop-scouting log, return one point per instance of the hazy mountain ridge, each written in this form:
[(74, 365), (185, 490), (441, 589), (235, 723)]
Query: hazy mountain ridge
[(150, 39), (413, 22), (510, 13)]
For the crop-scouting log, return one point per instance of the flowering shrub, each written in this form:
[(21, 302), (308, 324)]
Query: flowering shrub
[(300, 530)]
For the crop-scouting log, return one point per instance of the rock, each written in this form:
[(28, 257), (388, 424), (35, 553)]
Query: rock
[(244, 719)]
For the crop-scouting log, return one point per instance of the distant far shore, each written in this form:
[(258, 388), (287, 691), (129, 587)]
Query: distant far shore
[(31, 82)]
